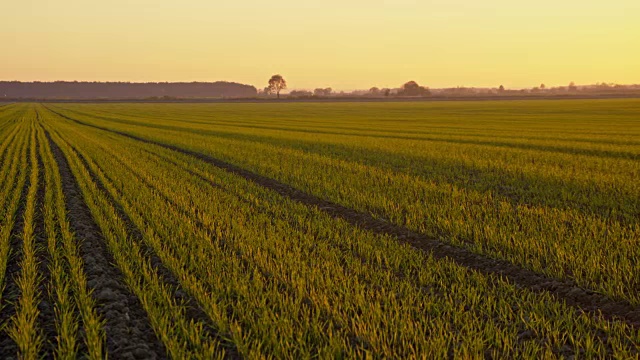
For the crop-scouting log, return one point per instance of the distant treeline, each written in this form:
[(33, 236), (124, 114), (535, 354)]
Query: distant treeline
[(412, 89), (123, 90)]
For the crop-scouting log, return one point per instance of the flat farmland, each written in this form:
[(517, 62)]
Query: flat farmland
[(487, 229)]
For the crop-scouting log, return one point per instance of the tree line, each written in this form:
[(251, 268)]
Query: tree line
[(124, 90), (275, 85), (413, 89)]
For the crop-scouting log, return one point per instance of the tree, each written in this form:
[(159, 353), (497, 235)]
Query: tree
[(501, 88), (322, 92), (276, 84), (300, 93), (543, 86), (386, 91), (374, 91), (412, 88), (572, 86)]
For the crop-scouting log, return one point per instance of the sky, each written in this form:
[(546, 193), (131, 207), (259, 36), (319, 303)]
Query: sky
[(343, 44)]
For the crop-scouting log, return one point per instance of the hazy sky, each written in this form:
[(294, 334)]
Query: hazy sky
[(345, 44)]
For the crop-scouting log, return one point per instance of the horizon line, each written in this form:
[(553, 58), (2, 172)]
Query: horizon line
[(311, 89)]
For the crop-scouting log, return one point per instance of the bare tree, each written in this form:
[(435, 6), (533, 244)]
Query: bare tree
[(276, 84)]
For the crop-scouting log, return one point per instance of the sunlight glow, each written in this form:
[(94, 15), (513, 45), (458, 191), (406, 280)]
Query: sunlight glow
[(346, 44)]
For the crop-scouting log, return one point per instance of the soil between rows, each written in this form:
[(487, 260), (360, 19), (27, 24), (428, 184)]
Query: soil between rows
[(128, 332), (563, 290)]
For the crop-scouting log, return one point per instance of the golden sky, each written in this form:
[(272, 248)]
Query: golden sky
[(344, 44)]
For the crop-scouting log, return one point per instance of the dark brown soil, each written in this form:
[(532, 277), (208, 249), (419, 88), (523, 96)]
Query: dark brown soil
[(563, 290), (128, 332)]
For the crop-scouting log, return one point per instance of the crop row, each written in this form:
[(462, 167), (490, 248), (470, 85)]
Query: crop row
[(278, 278), (36, 241)]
